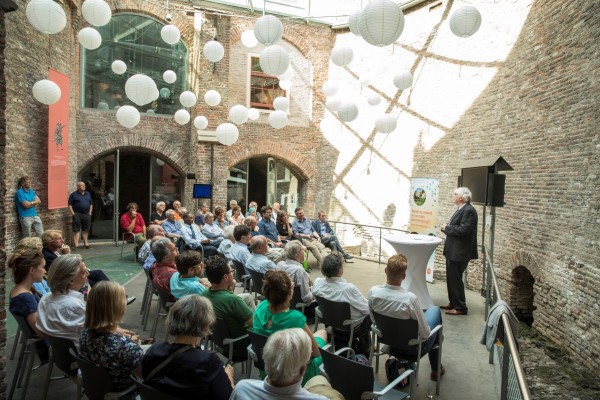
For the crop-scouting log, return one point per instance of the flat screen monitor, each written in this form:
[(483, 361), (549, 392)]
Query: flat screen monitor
[(475, 179), (202, 190)]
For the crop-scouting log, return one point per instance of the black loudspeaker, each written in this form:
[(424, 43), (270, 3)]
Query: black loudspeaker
[(190, 176), (495, 190), (459, 181)]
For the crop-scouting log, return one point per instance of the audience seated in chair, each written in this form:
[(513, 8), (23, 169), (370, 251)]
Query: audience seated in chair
[(221, 219), (327, 235), (392, 300), (303, 229), (284, 228), (199, 219), (176, 207), (286, 355), (132, 223), (165, 252), (274, 254), (273, 315), (294, 252), (258, 261), (239, 251), (335, 288), (171, 226), (211, 230), (158, 216), (103, 342), (62, 312), (194, 238), (145, 254), (236, 217), (227, 243), (188, 278), (193, 373)]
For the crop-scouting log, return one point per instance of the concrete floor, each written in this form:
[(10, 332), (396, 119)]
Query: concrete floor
[(468, 374)]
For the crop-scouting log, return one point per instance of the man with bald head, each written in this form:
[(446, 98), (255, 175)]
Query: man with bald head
[(258, 261), (81, 207)]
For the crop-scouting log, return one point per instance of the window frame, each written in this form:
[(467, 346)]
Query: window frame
[(263, 107)]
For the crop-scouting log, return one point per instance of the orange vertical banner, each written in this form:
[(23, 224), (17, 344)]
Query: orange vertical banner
[(58, 144)]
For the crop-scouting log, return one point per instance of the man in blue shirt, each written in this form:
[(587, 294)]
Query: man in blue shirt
[(27, 199), (258, 261), (81, 206), (171, 226), (310, 238), (267, 227), (327, 235)]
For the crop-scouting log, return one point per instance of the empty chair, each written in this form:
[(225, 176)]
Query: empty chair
[(164, 303), (62, 358), (26, 355), (241, 276), (257, 282), (336, 317), (356, 381)]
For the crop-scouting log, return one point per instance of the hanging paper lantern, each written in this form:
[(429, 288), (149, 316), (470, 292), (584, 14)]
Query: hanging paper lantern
[(96, 12), (281, 103), (347, 111), (169, 76), (465, 21), (102, 106), (46, 16), (165, 93), (118, 67), (353, 22), (274, 60), (141, 89), (333, 103), (287, 75), (238, 114), (403, 80), (213, 51), (330, 88), (278, 119), (182, 117), (89, 38), (128, 116), (170, 34), (150, 112), (46, 91), (268, 29), (116, 108), (285, 85), (374, 99), (342, 55), (364, 81), (248, 39), (212, 98), (188, 99), (160, 162), (253, 114), (381, 22), (227, 134), (385, 123), (200, 122)]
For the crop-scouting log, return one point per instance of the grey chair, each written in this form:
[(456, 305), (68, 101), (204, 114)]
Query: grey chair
[(337, 319), (26, 356), (241, 276), (400, 338), (149, 393), (60, 356), (164, 304), (356, 381)]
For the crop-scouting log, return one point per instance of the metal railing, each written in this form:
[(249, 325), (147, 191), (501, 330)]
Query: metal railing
[(512, 382)]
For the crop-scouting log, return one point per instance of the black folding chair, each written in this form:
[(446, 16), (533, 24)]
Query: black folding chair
[(149, 393), (26, 355), (223, 342), (257, 283), (241, 276), (337, 319), (62, 358), (255, 351)]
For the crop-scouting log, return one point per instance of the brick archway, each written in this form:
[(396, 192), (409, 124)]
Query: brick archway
[(524, 272), (525, 259), (300, 164)]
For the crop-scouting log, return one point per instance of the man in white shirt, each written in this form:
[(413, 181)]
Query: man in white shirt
[(232, 203), (392, 300), (292, 265), (194, 238)]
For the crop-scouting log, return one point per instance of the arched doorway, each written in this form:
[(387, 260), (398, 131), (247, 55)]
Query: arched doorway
[(521, 294), (121, 177), (265, 180)]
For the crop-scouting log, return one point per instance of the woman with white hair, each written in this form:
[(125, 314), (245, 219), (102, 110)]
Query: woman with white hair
[(286, 355), (228, 241)]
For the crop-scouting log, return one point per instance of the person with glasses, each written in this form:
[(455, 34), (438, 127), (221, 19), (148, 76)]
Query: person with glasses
[(187, 279)]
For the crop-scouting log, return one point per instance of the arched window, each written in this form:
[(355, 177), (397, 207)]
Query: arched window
[(134, 39)]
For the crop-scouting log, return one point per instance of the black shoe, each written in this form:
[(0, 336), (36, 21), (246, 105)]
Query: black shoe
[(347, 256)]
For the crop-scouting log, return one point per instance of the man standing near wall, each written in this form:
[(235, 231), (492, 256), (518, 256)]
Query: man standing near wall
[(81, 207), (27, 199), (460, 248)]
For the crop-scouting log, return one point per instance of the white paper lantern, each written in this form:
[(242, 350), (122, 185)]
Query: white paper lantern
[(374, 99), (353, 22), (160, 162), (342, 55), (278, 119), (238, 114), (118, 67), (333, 103), (248, 39), (403, 80), (268, 29), (281, 103), (253, 114), (287, 75), (165, 93), (156, 94), (46, 91), (170, 34), (141, 89), (188, 99), (102, 106), (116, 108), (182, 117), (381, 22), (364, 81), (89, 38), (212, 98), (200, 122), (96, 12), (150, 112), (465, 21), (385, 123), (213, 51), (285, 85), (330, 88), (347, 111), (169, 76), (46, 16), (128, 116), (227, 134), (274, 60)]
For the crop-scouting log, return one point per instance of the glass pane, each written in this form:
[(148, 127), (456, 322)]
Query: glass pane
[(100, 182), (135, 40), (236, 184), (288, 188), (165, 184)]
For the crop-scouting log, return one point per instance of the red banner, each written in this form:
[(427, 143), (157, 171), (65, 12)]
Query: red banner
[(58, 144)]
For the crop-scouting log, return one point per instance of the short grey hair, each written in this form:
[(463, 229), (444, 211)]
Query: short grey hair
[(464, 193), (228, 232), (249, 218), (160, 203), (191, 315), (286, 353), (331, 265), (153, 229), (291, 249), (257, 242), (159, 248), (170, 212), (64, 269), (209, 215)]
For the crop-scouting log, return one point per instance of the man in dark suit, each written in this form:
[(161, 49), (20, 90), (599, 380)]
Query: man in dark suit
[(460, 248), (328, 238)]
